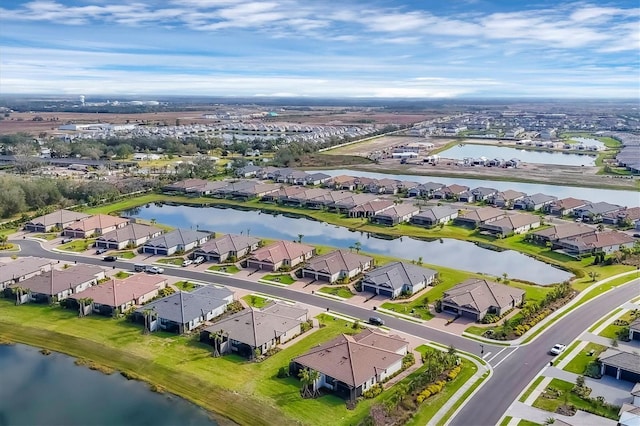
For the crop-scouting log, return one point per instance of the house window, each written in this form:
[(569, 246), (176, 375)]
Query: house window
[(329, 380)]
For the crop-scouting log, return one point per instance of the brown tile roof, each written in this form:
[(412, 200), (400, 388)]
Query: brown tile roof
[(228, 243), (55, 281), (336, 261), (281, 250), (557, 232), (132, 231), (601, 239), (21, 267), (569, 203), (59, 216), (482, 214), (515, 221), (99, 221), (116, 292), (480, 295), (374, 206), (456, 189), (352, 359)]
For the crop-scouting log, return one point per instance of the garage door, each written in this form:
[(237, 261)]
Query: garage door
[(387, 293), (636, 335), (150, 250), (629, 376), (610, 371), (471, 315)]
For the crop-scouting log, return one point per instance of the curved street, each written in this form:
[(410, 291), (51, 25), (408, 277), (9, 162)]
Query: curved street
[(514, 367)]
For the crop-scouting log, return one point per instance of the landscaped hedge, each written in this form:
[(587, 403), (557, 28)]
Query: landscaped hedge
[(431, 390)]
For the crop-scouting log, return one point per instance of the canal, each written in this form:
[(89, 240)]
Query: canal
[(444, 252), (51, 390)]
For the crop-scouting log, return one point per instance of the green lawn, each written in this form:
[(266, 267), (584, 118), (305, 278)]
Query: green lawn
[(579, 363), (566, 352), (176, 261), (340, 291), (125, 254), (230, 269), (564, 389), (48, 236), (611, 331), (524, 422), (79, 245), (531, 388), (127, 204), (505, 421), (279, 278), (186, 285), (121, 275), (255, 301)]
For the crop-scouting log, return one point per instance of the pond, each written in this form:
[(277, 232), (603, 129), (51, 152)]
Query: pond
[(51, 390), (621, 197), (444, 252), (589, 142), (460, 152)]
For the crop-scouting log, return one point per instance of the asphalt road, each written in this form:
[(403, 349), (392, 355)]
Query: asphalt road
[(514, 368)]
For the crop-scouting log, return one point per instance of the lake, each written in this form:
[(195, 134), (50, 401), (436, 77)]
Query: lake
[(444, 252), (460, 152), (51, 390), (625, 198)]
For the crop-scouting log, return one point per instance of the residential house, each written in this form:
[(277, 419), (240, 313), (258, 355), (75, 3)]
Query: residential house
[(285, 254), (565, 206), (211, 187), (95, 225), (58, 219), (131, 235), (599, 242), (466, 197), (474, 298), (327, 200), (620, 364), (337, 265), (301, 199), (248, 171), (451, 192), (634, 330), (282, 194), (182, 312), (349, 365), (396, 278), (185, 186), (559, 232), (482, 193), (477, 217), (256, 330), (178, 240), (117, 295), (354, 200), (534, 202), (425, 190), (227, 247), (625, 217), (434, 215), (383, 186), (394, 215), (594, 212), (15, 271), (511, 224), (371, 208), (506, 199), (317, 178), (630, 412), (57, 284), (343, 182)]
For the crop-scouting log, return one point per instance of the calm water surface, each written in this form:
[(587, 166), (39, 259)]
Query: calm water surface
[(444, 252), (527, 156), (628, 198), (51, 390)]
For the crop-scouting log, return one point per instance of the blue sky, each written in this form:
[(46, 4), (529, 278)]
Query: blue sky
[(322, 48)]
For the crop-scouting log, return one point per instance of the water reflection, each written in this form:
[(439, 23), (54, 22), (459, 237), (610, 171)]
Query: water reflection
[(460, 152), (445, 252)]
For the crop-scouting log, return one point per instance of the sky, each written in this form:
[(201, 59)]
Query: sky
[(423, 49)]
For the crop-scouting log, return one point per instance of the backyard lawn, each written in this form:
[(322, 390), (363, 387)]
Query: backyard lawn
[(279, 278), (122, 275), (79, 245), (559, 390), (579, 363), (611, 331), (340, 291)]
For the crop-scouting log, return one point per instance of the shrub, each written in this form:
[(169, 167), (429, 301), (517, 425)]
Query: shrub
[(283, 372), (408, 360), (373, 391)]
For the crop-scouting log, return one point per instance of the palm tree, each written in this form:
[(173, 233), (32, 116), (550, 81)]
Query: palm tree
[(308, 378), (217, 343), (82, 302), (300, 237), (19, 292), (3, 240), (594, 275), (358, 246)]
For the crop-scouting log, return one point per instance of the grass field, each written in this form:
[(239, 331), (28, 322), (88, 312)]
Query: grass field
[(121, 275), (78, 246), (340, 291), (186, 285), (579, 363), (229, 269), (564, 390), (255, 301), (125, 254), (279, 278), (176, 261)]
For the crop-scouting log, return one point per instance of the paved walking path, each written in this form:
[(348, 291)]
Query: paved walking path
[(605, 341), (537, 391), (521, 410)]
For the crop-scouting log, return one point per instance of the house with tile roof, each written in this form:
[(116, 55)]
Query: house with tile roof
[(534, 202), (349, 365), (434, 216), (95, 225), (396, 278), (280, 254), (599, 242), (474, 298), (15, 271), (58, 219), (226, 247), (594, 212), (620, 364), (371, 208), (130, 235), (178, 240), (511, 224), (59, 284), (477, 217), (182, 312), (262, 329), (399, 213), (558, 232), (506, 198), (564, 207), (337, 265)]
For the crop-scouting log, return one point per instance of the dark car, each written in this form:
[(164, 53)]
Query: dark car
[(376, 321), (101, 250), (110, 258)]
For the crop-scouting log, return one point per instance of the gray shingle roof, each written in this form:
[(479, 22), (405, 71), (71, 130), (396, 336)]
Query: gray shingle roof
[(227, 243), (396, 274), (132, 231), (182, 307), (480, 294), (437, 212), (177, 237), (336, 261), (21, 267), (625, 360)]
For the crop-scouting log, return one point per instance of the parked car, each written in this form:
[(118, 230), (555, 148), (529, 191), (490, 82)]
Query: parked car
[(66, 240), (154, 269), (101, 250), (110, 258), (187, 262), (557, 349), (198, 260), (376, 321), (139, 267)]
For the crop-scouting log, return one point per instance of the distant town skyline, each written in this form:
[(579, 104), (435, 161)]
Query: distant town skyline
[(328, 49)]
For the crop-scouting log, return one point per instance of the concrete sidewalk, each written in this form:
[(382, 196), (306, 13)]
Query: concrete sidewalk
[(519, 410)]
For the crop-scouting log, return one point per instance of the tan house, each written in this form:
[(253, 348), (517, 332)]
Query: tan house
[(512, 224), (599, 242), (227, 246), (558, 232), (130, 235), (399, 213), (336, 265), (371, 208), (59, 219), (59, 284), (95, 225), (116, 295), (18, 270), (280, 254), (475, 218), (349, 365), (565, 206), (474, 298)]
